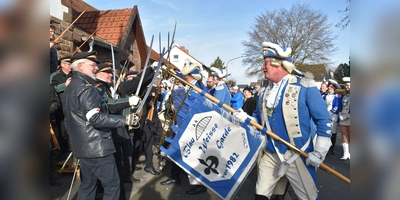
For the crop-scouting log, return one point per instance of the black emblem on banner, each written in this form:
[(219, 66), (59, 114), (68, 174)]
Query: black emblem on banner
[(213, 165)]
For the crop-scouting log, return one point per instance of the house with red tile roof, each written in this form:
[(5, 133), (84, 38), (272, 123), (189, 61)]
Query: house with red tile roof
[(119, 30)]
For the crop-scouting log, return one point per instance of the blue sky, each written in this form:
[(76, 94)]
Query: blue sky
[(209, 29)]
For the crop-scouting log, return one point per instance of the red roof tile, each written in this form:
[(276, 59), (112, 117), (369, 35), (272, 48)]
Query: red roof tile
[(80, 6), (111, 24)]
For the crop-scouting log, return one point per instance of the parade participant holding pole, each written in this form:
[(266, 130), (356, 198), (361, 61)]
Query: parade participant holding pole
[(292, 107), (89, 126), (192, 74)]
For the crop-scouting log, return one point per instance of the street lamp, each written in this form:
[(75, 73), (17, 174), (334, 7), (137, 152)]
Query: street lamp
[(227, 65)]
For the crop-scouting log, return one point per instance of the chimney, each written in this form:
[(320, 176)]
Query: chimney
[(183, 49)]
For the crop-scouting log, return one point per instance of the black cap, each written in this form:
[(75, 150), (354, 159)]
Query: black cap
[(131, 72), (85, 55), (248, 89), (64, 59), (103, 67)]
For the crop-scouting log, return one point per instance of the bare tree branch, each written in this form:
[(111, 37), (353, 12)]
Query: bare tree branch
[(345, 21), (305, 30)]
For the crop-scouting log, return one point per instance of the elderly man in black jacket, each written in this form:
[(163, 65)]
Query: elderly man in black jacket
[(89, 127)]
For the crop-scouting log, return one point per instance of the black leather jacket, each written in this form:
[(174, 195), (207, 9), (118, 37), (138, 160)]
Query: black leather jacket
[(90, 138)]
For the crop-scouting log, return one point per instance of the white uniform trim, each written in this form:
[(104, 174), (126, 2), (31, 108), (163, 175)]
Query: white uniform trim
[(91, 113)]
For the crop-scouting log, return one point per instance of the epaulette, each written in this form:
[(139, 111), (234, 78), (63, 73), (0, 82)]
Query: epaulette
[(292, 79), (309, 75), (305, 82), (219, 87), (88, 84)]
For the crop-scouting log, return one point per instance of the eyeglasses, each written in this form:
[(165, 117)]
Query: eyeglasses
[(93, 65)]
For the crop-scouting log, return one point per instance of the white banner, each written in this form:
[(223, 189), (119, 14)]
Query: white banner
[(212, 146)]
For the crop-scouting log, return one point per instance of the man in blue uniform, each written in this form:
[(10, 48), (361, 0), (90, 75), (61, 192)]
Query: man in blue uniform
[(222, 92), (290, 106)]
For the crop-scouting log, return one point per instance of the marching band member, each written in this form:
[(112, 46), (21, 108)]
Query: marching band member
[(123, 146), (59, 80), (332, 102), (344, 116), (192, 74), (222, 92), (291, 106)]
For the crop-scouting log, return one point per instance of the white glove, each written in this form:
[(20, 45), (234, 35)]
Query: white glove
[(321, 147), (154, 66), (342, 117), (132, 119), (314, 159), (134, 100), (240, 115)]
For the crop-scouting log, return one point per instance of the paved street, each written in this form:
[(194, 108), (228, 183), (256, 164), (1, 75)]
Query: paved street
[(330, 187)]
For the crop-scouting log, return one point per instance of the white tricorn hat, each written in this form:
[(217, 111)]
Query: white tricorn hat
[(334, 83), (193, 69), (220, 73), (271, 50)]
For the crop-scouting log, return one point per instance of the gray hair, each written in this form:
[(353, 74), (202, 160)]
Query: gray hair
[(75, 64)]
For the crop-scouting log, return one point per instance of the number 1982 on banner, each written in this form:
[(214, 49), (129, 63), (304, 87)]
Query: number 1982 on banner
[(230, 162)]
